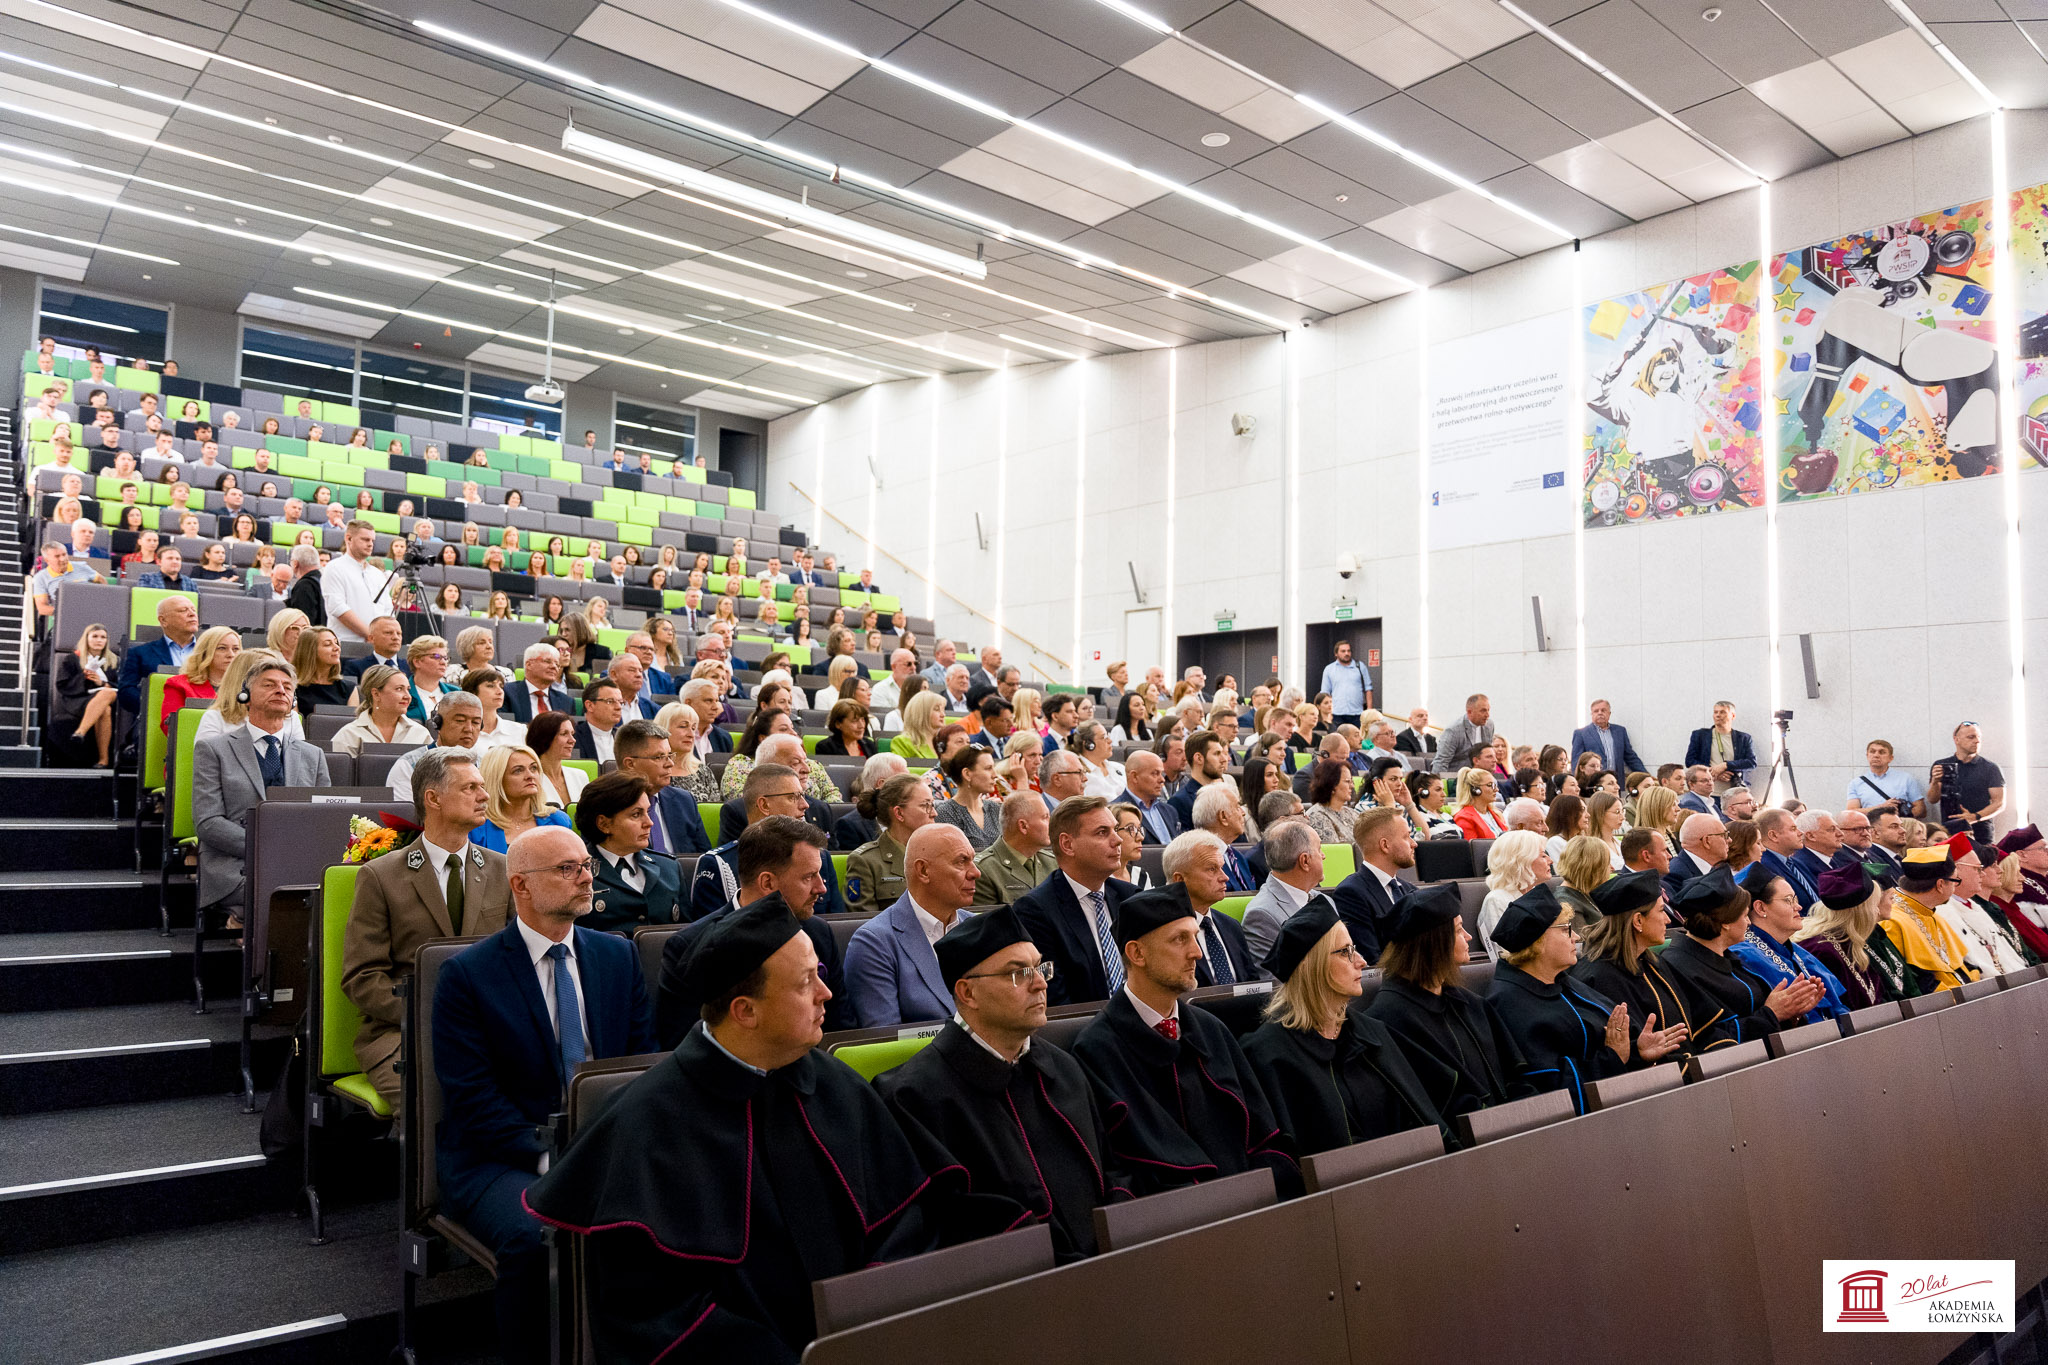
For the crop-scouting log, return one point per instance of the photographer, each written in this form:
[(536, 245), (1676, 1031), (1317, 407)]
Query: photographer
[(1967, 789), (1726, 752), (1882, 789)]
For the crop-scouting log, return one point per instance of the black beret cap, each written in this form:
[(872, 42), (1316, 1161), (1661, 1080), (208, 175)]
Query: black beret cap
[(1303, 930), (1709, 891), (1628, 893), (1139, 915), (736, 945), (1527, 918), (977, 938), (1422, 910)]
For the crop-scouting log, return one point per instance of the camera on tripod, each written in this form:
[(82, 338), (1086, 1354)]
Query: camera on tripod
[(1783, 718), (416, 556)]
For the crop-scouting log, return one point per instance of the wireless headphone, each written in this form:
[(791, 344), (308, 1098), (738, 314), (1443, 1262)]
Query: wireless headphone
[(243, 695)]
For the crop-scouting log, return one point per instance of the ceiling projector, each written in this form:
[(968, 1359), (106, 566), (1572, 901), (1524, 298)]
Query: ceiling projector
[(547, 391)]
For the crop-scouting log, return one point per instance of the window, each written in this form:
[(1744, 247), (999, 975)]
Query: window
[(669, 435), (407, 386), (123, 331), (499, 404), (298, 365)]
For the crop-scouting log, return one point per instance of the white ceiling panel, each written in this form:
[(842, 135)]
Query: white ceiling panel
[(745, 35), (1602, 173), (68, 101), (408, 193), (740, 282), (1466, 27), (1434, 237), (1830, 107), (572, 268), (296, 312), (520, 360), (742, 403), (849, 257), (645, 40), (86, 26), (618, 315), (1312, 294), (1088, 183), (337, 246), (1222, 89), (537, 159), (62, 265), (1403, 55), (1911, 80), (1489, 222), (17, 169)]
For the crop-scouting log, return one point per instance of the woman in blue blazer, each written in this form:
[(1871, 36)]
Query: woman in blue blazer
[(514, 805)]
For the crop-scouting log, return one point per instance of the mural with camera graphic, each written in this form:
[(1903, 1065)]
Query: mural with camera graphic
[(1673, 398), (2030, 279)]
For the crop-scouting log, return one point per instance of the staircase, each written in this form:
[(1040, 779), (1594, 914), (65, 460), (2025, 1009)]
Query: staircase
[(20, 741)]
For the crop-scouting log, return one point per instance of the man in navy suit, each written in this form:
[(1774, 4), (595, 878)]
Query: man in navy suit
[(514, 1015), (1072, 913), (1779, 833), (1726, 752), (602, 707), (1699, 792), (892, 971), (1617, 755), (1364, 899), (541, 690), (1193, 864), (387, 647), (1145, 788), (1822, 838), (179, 620), (1208, 760), (771, 789), (804, 575), (641, 748)]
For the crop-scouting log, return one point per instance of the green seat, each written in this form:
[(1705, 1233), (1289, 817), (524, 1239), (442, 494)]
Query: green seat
[(182, 827), (155, 745), (633, 534), (872, 1059), (138, 381), (386, 523), (586, 766), (482, 476), (340, 413), (689, 473), (1233, 906), (811, 743), (708, 812), (426, 485), (284, 445), (334, 1040), (142, 605), (742, 497), (341, 471), (1339, 862), (886, 603), (299, 467), (535, 465), (839, 866)]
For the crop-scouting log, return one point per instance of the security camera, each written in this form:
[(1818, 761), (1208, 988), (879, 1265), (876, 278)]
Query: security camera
[(547, 391), (1243, 424), (1347, 564)]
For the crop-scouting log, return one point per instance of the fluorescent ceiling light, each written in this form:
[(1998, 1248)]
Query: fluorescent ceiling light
[(87, 243), (574, 139), (1587, 60), (1905, 12), (90, 322), (1041, 346)]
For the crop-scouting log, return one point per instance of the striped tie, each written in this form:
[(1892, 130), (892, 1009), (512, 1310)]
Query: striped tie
[(1112, 960)]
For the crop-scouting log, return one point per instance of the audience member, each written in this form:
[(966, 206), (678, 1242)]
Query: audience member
[(387, 647), (504, 1068), (1071, 916), (1880, 787), (1608, 740), (891, 968), (514, 800), (1841, 934), (440, 886), (633, 885), (1195, 861), (1294, 861), (1967, 788), (1517, 862), (602, 707), (1385, 847), (1565, 1035), (1725, 1001), (1768, 950), (1936, 957), (355, 592), (1478, 790), (1144, 788), (1726, 752), (1619, 962), (1779, 830), (200, 676), (457, 722), (1582, 868), (382, 697), (81, 719), (317, 660), (772, 789), (1452, 1041), (973, 809), (1021, 859), (1456, 745)]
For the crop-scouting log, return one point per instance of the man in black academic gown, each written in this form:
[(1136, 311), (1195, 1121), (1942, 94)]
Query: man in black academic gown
[(1015, 1111), (1180, 1101), (776, 856), (741, 1167)]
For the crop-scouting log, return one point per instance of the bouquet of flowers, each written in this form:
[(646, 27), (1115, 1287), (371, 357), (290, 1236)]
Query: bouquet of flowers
[(369, 838)]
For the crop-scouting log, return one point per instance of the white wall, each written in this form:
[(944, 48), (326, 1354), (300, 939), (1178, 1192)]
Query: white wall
[(1904, 593)]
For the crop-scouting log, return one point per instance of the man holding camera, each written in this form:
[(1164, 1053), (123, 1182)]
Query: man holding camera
[(1881, 788), (1726, 752), (1966, 788)]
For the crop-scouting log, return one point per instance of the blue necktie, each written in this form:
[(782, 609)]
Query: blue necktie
[(272, 762), (1219, 958), (657, 840), (1112, 960), (568, 1021)]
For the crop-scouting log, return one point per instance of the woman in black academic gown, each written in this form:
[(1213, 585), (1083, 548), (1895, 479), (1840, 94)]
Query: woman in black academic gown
[(1332, 1075), (1453, 1044), (1726, 1001), (1568, 1036), (1618, 964)]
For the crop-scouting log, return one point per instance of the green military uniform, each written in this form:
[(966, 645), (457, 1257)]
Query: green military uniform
[(874, 875), (1007, 874)]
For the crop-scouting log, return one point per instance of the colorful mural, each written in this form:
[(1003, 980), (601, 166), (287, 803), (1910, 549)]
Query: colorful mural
[(1888, 358), (2030, 280), (1672, 393)]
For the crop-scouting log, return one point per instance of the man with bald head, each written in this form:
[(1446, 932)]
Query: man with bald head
[(503, 1066), (178, 618), (1022, 858), (1145, 788), (1702, 846), (892, 971)]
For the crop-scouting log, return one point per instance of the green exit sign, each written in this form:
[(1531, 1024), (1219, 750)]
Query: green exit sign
[(1226, 623), (1344, 613)]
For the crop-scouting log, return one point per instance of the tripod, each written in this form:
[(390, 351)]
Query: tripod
[(1782, 759), (408, 573)]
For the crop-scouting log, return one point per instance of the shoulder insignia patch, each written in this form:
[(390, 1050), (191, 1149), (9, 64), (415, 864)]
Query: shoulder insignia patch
[(853, 888)]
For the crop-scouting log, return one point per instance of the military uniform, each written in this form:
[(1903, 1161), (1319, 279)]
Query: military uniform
[(1007, 874), (874, 875)]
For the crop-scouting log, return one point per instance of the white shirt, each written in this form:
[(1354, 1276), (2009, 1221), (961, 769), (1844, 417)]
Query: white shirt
[(1107, 785), (212, 724), (883, 694), (401, 772), (626, 866), (1697, 861), (537, 947), (933, 930), (1386, 879), (987, 1046), (1081, 894), (1151, 1016), (504, 734), (601, 741), (347, 585), (437, 859)]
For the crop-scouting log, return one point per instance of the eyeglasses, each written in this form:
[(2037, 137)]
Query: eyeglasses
[(1350, 951), (1020, 977), (575, 870)]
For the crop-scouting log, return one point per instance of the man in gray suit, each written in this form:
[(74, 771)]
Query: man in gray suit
[(1294, 864), (1463, 735), (233, 770)]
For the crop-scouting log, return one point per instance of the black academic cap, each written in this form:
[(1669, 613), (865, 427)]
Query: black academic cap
[(1628, 893), (1527, 917), (736, 945), (977, 938), (1303, 930), (1139, 915), (1422, 910), (1708, 891)]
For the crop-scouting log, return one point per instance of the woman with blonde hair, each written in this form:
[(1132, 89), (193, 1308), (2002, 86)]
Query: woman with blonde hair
[(1333, 1075), (1516, 862), (691, 773), (839, 682), (1603, 815), (586, 655), (515, 801), (84, 698), (1657, 808), (1477, 791), (317, 661), (921, 720), (1841, 932), (282, 635), (204, 668), (382, 696), (1584, 867), (1027, 711)]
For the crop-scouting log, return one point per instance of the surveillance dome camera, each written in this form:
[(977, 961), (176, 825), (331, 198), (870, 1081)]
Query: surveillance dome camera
[(1347, 564)]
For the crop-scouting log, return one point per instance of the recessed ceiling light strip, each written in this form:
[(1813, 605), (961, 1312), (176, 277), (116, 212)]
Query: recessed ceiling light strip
[(1912, 20), (442, 320), (1041, 346), (1591, 63), (88, 244)]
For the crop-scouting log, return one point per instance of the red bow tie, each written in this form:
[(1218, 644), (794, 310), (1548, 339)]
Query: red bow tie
[(1168, 1029)]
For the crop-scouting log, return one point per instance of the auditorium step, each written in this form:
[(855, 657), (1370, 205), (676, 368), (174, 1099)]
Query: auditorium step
[(66, 845), (74, 902), (54, 971), (74, 1058), (57, 794), (253, 1276), (80, 1175)]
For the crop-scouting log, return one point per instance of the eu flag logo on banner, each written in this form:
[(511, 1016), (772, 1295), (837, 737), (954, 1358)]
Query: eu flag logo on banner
[(1436, 499), (1554, 480)]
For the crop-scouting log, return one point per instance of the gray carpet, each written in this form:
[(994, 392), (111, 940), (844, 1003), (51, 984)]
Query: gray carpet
[(145, 1293), (115, 1025), (123, 1137)]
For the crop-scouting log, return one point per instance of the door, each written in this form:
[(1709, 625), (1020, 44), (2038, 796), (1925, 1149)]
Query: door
[(1144, 639), (1364, 639), (1246, 655)]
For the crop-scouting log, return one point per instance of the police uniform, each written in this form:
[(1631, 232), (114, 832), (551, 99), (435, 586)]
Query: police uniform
[(1007, 874), (874, 875)]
